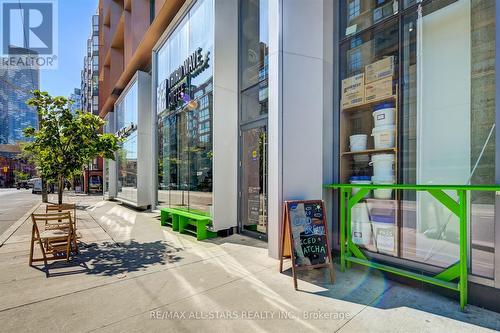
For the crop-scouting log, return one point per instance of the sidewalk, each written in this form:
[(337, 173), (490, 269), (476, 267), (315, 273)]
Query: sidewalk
[(134, 275)]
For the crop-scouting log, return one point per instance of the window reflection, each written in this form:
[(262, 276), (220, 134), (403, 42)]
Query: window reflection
[(126, 125), (358, 15), (254, 55), (254, 41), (185, 132), (127, 168), (447, 77)]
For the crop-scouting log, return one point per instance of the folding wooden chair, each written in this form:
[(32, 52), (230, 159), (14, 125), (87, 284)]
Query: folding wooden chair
[(58, 236), (62, 208)]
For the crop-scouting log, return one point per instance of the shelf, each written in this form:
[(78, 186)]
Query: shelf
[(369, 151), (370, 104)]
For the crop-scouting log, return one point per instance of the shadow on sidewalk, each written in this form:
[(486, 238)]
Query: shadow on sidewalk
[(111, 259), (374, 289)]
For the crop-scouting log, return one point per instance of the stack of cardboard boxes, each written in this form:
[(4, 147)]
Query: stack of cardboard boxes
[(377, 83)]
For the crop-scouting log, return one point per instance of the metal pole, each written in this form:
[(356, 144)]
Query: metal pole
[(342, 230), (348, 220), (462, 194)]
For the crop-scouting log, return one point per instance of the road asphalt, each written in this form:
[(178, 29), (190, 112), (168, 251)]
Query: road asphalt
[(14, 204)]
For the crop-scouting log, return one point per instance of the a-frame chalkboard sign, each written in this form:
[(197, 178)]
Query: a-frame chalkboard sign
[(304, 237)]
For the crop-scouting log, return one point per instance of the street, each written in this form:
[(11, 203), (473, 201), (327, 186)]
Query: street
[(14, 204)]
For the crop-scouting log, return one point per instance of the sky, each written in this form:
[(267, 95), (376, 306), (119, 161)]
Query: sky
[(75, 25)]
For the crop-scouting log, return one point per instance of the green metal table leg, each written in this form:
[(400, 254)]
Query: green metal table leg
[(183, 222), (201, 230), (348, 229), (175, 222), (342, 230), (163, 218), (462, 194)]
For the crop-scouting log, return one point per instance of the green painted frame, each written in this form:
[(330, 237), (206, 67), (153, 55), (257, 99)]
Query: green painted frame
[(351, 253)]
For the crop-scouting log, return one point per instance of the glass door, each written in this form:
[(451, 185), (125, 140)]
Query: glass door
[(253, 183)]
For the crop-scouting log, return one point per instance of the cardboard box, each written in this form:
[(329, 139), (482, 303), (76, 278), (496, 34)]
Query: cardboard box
[(378, 90), (353, 91), (379, 69)]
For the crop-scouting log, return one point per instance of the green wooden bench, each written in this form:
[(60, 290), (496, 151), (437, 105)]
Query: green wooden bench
[(182, 219)]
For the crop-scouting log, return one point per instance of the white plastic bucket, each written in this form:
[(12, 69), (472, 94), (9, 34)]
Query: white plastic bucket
[(383, 165), (361, 233), (356, 189), (358, 142), (385, 237), (359, 213), (383, 193), (360, 224), (384, 117), (383, 136)]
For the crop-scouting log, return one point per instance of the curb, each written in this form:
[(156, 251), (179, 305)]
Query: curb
[(13, 228)]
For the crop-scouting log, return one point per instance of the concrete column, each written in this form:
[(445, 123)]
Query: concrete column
[(225, 115), (300, 105)]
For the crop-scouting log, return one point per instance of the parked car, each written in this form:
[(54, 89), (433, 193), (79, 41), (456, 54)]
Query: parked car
[(23, 184), (37, 185), (95, 184)]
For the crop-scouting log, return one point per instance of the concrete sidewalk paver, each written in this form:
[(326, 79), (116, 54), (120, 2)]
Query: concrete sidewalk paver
[(135, 275)]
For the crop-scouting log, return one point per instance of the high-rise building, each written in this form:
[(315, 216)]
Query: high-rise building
[(92, 175), (90, 71), (16, 85), (76, 97)]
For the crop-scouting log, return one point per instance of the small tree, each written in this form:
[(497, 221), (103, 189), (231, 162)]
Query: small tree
[(20, 176), (65, 142)]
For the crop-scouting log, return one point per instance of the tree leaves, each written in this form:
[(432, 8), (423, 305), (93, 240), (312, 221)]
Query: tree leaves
[(65, 142)]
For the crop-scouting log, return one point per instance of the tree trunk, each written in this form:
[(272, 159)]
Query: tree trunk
[(60, 189), (45, 198)]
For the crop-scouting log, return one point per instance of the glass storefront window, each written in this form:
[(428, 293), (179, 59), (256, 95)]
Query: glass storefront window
[(254, 59), (106, 129), (254, 102), (254, 42), (126, 111), (358, 15), (185, 128), (442, 109), (127, 168)]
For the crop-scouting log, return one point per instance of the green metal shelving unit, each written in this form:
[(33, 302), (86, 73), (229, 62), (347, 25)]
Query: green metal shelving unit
[(351, 253)]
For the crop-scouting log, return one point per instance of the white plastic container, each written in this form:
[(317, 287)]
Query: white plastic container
[(384, 115), (383, 193), (356, 181), (360, 224), (383, 165), (359, 213), (383, 136), (358, 142), (361, 233)]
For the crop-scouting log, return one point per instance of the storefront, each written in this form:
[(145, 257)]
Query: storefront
[(196, 77), (252, 104), (417, 106), (195, 103), (128, 178)]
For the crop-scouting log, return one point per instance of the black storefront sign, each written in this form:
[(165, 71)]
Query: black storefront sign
[(173, 90)]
